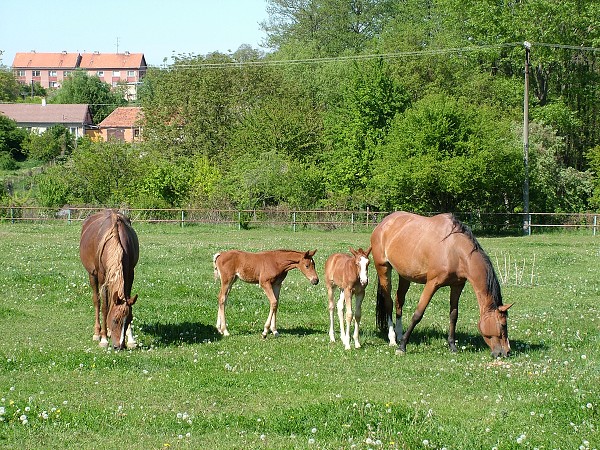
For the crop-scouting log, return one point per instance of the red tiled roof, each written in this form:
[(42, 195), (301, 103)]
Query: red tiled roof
[(28, 113), (112, 61), (46, 60), (123, 117)]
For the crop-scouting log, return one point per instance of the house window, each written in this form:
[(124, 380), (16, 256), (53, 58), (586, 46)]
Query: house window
[(116, 73), (131, 73), (52, 73), (35, 73), (100, 73), (21, 73), (54, 84), (66, 73)]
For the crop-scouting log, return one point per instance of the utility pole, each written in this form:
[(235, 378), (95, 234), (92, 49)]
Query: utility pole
[(526, 217)]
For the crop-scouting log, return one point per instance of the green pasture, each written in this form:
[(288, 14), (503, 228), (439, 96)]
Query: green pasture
[(186, 387)]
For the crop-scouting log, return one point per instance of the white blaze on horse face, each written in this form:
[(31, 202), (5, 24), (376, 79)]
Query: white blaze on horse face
[(362, 271), (122, 339)]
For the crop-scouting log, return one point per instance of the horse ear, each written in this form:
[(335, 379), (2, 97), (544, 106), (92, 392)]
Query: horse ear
[(115, 298), (368, 251), (352, 250), (131, 300), (311, 253), (504, 308)]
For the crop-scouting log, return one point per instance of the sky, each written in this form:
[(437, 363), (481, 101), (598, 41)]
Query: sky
[(156, 28)]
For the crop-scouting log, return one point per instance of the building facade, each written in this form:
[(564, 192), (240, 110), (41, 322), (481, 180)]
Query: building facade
[(51, 69)]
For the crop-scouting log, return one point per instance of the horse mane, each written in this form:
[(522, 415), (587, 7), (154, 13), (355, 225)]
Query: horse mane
[(492, 284), (112, 249)]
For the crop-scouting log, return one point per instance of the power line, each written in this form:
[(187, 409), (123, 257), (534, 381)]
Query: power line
[(395, 55)]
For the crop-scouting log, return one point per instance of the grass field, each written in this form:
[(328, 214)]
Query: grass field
[(185, 387)]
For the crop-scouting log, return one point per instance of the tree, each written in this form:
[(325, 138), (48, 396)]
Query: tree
[(370, 101), (195, 106), (55, 141), (11, 138), (81, 88), (9, 86), (445, 154), (330, 27)]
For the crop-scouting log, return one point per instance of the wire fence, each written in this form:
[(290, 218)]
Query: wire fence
[(295, 220)]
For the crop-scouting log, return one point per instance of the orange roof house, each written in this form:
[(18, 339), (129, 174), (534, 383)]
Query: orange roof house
[(47, 69), (123, 124), (50, 69)]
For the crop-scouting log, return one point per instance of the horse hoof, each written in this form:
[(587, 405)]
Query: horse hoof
[(103, 344), (263, 335), (96, 337), (400, 352), (131, 345)]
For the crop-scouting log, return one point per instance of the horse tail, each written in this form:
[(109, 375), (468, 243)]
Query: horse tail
[(381, 317), (492, 283), (215, 268)]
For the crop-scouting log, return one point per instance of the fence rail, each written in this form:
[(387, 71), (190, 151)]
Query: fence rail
[(492, 223)]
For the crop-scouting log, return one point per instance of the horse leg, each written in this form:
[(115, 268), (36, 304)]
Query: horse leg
[(96, 301), (340, 313), (348, 303), (358, 296), (272, 292), (384, 301), (455, 292), (403, 286), (430, 288), (103, 325), (223, 294), (331, 306)]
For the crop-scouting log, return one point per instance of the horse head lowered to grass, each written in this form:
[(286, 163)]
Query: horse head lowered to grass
[(436, 251), (109, 251)]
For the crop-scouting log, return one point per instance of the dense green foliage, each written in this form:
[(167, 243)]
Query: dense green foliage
[(414, 105), (80, 87), (186, 387)]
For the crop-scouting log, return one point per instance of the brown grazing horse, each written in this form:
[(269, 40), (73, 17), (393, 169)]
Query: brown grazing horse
[(350, 274), (268, 269), (109, 251), (436, 251)]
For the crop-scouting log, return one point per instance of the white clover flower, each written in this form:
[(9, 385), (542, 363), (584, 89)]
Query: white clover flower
[(426, 442), (311, 441), (2, 410), (313, 430), (589, 406)]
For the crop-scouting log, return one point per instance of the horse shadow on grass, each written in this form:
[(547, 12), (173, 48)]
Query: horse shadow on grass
[(472, 343), (166, 334)]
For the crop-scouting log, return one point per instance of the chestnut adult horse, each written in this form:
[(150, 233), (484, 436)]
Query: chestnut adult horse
[(109, 251), (267, 269), (350, 273), (436, 251)]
